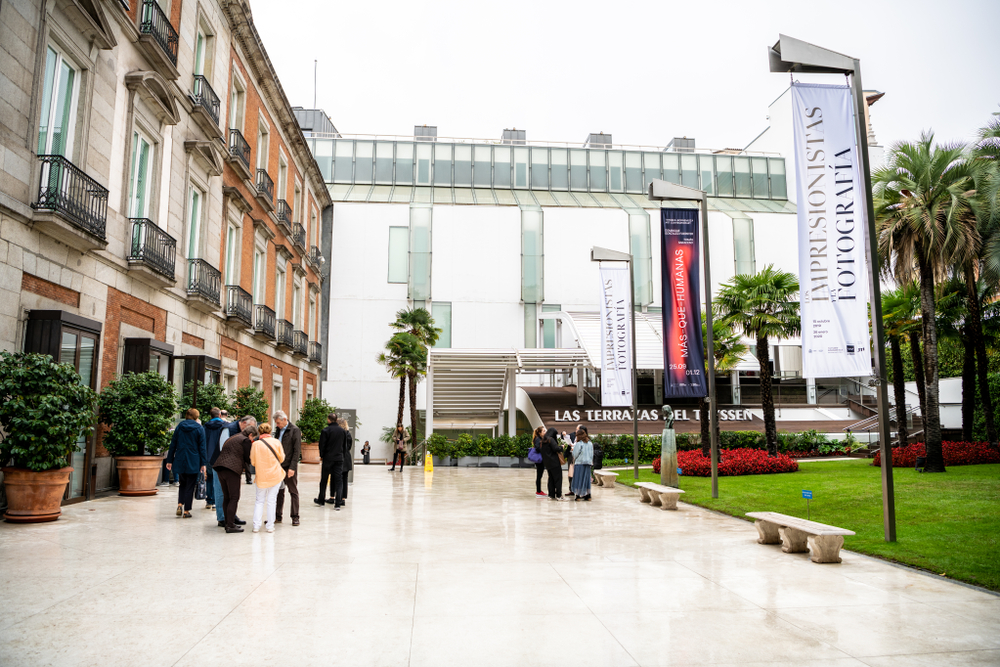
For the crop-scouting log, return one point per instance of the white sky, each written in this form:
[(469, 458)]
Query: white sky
[(642, 71)]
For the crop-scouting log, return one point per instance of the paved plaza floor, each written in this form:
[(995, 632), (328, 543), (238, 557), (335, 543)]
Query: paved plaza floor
[(462, 567)]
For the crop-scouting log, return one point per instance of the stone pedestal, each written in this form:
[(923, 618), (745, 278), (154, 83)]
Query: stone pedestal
[(668, 459)]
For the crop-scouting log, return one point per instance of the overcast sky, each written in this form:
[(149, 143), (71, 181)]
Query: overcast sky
[(643, 71)]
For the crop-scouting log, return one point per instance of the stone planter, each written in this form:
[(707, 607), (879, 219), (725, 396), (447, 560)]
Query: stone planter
[(506, 461), (444, 461), (468, 461), (34, 497), (310, 452), (137, 475), (489, 461)]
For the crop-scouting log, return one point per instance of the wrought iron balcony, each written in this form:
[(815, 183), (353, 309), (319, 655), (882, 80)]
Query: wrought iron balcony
[(300, 343), (239, 304), (205, 97), (299, 236), (154, 22), (315, 352), (239, 148), (284, 334), (284, 213), (153, 247), (204, 281), (65, 189), (265, 186), (316, 256), (263, 321)]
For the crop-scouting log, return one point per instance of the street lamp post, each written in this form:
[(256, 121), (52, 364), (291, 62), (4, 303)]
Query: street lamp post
[(665, 191), (598, 254), (793, 55)]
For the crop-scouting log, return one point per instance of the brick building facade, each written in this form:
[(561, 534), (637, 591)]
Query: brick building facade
[(156, 196)]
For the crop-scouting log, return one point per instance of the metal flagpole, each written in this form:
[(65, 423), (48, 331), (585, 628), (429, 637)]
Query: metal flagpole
[(635, 381), (713, 420)]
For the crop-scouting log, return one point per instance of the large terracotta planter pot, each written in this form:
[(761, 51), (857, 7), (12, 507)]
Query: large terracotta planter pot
[(34, 497), (310, 452), (137, 475)]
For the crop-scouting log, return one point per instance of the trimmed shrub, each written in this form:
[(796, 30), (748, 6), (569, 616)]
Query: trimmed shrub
[(955, 454), (733, 462)]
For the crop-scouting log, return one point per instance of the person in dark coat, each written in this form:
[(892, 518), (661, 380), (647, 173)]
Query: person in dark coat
[(233, 459), (213, 445), (366, 452), (331, 451), (187, 457), (348, 457), (291, 443), (551, 448), (536, 442)]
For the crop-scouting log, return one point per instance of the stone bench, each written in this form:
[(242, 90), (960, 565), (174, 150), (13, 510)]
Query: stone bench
[(605, 478), (797, 535), (664, 497)]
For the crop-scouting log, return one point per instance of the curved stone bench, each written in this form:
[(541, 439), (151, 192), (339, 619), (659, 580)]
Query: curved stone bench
[(797, 535), (605, 478), (664, 497)]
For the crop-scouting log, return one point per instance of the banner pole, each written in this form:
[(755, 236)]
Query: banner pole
[(713, 423), (635, 382)]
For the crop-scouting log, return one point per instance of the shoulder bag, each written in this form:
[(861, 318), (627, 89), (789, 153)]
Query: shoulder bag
[(276, 459)]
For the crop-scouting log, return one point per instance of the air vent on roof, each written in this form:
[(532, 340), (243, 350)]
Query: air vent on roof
[(599, 140), (425, 132), (680, 145), (513, 137)]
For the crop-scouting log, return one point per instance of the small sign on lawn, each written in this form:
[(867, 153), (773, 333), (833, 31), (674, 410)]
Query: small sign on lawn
[(807, 494)]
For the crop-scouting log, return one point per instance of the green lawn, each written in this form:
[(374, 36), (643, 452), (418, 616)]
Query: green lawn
[(946, 523)]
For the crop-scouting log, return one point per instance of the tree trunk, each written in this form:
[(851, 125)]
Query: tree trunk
[(917, 355), (766, 398), (413, 410), (979, 344), (899, 389), (706, 425), (932, 418), (402, 400), (968, 384)]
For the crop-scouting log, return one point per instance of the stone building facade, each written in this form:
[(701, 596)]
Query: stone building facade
[(159, 207)]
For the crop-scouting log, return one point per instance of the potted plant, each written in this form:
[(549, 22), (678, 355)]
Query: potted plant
[(44, 410), (466, 452), (312, 421), (440, 449), (502, 446), (139, 408), (486, 451), (251, 401)]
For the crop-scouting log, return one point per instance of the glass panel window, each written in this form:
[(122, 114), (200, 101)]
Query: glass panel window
[(615, 171), (742, 171), (323, 150), (578, 169), (520, 167), (442, 164), (363, 161), (530, 325), (501, 166), (279, 294), (58, 112), (441, 312), (598, 172), (343, 165), (651, 169), (672, 168), (282, 191), (549, 326), (199, 53), (483, 167), (258, 275), (404, 163), (399, 247), (540, 168), (778, 183), (232, 255), (263, 145), (383, 162), (297, 304), (743, 246), (707, 177), (633, 172), (425, 169), (560, 174), (759, 167), (689, 171), (194, 223), (532, 256), (420, 253), (463, 166), (142, 159), (641, 249), (724, 175)]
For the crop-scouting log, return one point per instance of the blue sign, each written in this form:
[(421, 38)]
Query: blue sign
[(680, 472), (807, 494)]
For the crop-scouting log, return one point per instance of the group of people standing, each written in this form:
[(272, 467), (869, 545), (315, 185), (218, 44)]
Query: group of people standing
[(223, 452), (554, 450), (336, 446)]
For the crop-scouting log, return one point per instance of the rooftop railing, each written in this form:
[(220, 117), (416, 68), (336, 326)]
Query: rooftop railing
[(66, 189), (153, 247), (156, 23)]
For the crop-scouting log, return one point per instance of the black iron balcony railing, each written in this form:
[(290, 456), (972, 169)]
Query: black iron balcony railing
[(284, 213), (315, 352), (64, 188), (239, 148), (265, 186), (263, 320), (299, 235), (316, 256), (300, 343), (154, 22), (284, 334), (206, 97), (153, 247), (204, 280), (239, 304)]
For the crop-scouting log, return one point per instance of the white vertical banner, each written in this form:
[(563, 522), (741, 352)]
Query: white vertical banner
[(831, 210), (616, 337)]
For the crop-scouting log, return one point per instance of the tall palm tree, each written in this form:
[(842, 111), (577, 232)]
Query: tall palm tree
[(398, 358), (729, 348), (418, 323), (921, 203), (762, 306), (897, 318), (953, 325)]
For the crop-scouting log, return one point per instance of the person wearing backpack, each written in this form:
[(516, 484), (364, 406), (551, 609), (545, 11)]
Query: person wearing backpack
[(535, 456), (266, 455)]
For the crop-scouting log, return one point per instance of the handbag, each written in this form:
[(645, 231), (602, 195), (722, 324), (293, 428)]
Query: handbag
[(279, 462), (201, 492), (534, 456)]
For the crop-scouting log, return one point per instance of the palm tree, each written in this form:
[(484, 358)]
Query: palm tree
[(953, 325), (418, 323), (400, 351), (762, 306), (897, 318), (729, 348), (921, 204)]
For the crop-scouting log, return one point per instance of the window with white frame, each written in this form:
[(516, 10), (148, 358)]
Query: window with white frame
[(279, 291), (232, 271), (237, 102), (293, 405), (282, 191), (140, 175), (297, 304), (297, 203), (275, 398), (57, 117), (314, 318), (196, 203), (259, 266), (313, 227), (263, 143)]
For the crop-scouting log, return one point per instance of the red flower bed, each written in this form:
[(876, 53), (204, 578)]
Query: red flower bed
[(955, 454), (733, 462)]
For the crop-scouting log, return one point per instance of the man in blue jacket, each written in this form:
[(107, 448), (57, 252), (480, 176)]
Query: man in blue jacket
[(213, 445), (187, 457)]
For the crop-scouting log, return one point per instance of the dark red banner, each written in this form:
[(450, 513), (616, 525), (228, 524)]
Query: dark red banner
[(683, 358)]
